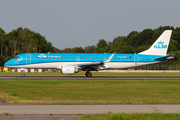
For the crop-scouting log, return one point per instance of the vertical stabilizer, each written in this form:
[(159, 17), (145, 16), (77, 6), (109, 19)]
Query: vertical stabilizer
[(160, 46)]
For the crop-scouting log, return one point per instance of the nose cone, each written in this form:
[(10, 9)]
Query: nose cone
[(8, 63)]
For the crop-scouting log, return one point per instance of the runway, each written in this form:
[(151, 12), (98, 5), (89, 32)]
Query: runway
[(85, 78), (88, 109)]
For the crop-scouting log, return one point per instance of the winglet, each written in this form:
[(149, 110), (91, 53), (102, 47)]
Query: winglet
[(108, 60)]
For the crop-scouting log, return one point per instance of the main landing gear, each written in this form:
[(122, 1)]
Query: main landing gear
[(23, 75), (88, 74)]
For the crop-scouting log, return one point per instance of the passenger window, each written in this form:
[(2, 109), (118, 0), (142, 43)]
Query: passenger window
[(38, 57), (61, 58), (119, 58), (42, 58), (115, 58), (58, 58), (50, 57), (104, 58), (81, 58), (98, 58), (54, 57), (86, 58), (69, 58), (89, 58), (46, 58)]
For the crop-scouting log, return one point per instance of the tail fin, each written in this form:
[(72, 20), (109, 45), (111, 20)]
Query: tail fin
[(160, 46)]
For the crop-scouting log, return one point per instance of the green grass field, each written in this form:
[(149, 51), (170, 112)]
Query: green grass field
[(90, 91), (130, 116), (175, 74)]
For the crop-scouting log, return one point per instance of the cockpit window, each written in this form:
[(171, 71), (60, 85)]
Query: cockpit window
[(17, 57)]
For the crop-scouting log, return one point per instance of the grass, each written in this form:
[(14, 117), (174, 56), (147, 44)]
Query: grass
[(130, 116), (155, 74), (90, 91)]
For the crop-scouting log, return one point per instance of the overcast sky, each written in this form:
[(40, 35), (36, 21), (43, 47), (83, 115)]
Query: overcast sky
[(80, 23)]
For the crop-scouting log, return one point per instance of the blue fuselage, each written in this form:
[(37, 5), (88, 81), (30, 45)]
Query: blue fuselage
[(54, 60)]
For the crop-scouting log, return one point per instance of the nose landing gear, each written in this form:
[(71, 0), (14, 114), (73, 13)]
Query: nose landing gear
[(88, 74)]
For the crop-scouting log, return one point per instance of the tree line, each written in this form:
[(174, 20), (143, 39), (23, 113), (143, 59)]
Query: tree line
[(134, 42), (22, 41), (27, 41)]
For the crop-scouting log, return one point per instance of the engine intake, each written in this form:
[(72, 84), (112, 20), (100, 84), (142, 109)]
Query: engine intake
[(69, 70)]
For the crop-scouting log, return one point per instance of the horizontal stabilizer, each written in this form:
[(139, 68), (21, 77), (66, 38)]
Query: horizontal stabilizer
[(165, 57)]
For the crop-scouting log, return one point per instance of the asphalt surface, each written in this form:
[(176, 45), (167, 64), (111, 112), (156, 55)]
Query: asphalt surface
[(86, 78), (37, 117), (86, 109)]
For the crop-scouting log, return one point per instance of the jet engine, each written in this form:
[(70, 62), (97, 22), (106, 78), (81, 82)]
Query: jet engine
[(69, 70)]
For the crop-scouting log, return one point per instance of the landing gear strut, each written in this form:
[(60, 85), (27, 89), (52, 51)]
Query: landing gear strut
[(88, 74)]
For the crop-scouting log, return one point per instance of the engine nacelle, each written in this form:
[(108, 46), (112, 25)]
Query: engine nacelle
[(69, 70)]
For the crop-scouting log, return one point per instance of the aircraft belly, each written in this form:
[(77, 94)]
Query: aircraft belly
[(121, 65)]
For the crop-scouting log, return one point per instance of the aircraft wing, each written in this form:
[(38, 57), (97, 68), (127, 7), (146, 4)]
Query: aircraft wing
[(94, 65), (90, 64)]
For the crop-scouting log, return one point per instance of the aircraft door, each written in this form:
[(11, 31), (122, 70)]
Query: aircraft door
[(136, 59), (28, 58)]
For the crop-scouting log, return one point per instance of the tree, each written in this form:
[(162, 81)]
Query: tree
[(2, 34), (102, 46), (90, 49), (77, 50), (102, 43), (123, 48)]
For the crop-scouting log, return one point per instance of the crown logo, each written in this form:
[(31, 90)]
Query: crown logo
[(41, 55), (160, 42)]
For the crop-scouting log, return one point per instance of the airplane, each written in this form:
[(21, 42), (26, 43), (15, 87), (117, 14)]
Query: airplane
[(71, 63)]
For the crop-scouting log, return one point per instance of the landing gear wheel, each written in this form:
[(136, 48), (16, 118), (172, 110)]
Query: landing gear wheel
[(88, 74), (23, 75)]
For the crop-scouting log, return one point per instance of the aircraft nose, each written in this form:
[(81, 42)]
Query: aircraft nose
[(7, 63)]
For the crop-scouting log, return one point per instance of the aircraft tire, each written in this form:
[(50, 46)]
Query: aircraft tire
[(23, 75), (88, 74)]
